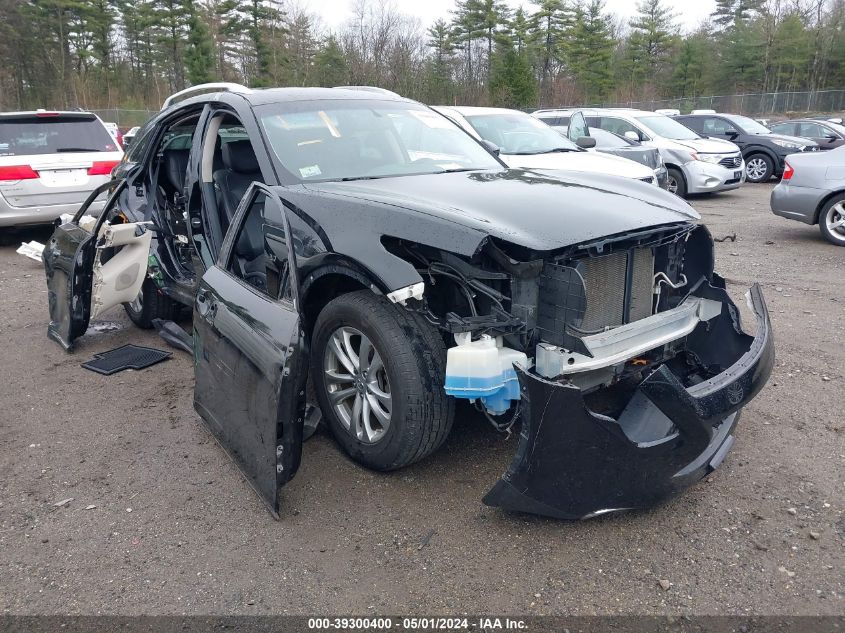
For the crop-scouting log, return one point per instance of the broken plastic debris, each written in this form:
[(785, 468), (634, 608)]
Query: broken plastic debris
[(63, 502), (31, 249)]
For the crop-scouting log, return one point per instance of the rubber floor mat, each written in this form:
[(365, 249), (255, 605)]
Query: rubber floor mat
[(125, 357)]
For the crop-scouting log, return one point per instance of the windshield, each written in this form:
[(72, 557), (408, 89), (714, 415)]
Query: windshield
[(52, 134), (519, 133), (317, 141), (666, 127), (749, 125)]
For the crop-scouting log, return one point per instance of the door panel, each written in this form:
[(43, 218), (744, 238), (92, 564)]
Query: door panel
[(120, 278), (74, 273), (250, 354)]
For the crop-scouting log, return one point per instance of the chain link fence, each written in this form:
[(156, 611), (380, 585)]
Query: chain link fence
[(124, 118), (752, 104)]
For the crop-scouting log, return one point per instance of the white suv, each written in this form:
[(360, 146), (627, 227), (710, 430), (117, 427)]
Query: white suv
[(50, 162), (695, 164)]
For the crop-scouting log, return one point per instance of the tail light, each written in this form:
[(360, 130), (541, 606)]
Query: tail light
[(788, 171), (102, 167), (17, 172)]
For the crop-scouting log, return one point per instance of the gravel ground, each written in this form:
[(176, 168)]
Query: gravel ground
[(161, 522)]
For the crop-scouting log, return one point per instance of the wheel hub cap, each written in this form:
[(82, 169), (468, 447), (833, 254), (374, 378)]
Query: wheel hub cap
[(357, 382), (836, 220), (756, 168)]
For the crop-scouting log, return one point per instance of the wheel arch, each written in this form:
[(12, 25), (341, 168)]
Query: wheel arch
[(823, 202), (749, 151), (330, 281)]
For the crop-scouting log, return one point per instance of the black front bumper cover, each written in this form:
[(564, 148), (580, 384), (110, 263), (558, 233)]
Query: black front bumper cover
[(572, 463)]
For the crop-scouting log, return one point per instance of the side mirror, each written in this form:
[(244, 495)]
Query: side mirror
[(491, 147), (586, 142), (631, 135), (732, 135), (832, 138)]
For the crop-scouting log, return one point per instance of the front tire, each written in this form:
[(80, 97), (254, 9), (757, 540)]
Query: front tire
[(151, 304), (378, 373), (832, 221), (676, 183), (759, 168)]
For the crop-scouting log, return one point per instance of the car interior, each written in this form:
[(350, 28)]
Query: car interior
[(229, 167)]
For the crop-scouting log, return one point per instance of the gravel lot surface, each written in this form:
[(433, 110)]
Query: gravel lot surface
[(161, 522)]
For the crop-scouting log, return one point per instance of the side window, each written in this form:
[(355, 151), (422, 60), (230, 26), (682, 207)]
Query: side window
[(811, 130), (718, 126), (260, 251), (617, 126), (693, 123)]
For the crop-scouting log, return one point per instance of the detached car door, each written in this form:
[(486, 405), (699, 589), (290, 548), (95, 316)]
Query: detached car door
[(250, 353), (92, 265)]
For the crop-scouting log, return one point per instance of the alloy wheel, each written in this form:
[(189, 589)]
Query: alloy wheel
[(756, 169), (672, 185), (357, 384), (835, 220)]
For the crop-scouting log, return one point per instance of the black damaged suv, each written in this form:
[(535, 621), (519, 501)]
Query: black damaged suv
[(365, 240)]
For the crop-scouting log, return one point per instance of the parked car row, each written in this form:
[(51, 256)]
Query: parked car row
[(694, 164)]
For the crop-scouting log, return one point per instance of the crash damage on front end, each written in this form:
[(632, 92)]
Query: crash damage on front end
[(630, 364)]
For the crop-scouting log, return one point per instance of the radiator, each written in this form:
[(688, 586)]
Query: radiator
[(592, 295)]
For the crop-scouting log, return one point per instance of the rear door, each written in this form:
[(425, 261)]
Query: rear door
[(92, 266), (250, 353)]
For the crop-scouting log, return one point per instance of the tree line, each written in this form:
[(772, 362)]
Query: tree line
[(133, 53)]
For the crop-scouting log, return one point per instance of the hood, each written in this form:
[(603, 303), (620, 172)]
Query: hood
[(588, 162), (709, 146), (540, 210)]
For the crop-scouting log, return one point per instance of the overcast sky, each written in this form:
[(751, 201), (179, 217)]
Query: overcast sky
[(335, 12)]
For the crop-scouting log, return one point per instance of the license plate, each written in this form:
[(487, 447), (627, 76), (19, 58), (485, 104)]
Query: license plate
[(63, 177), (737, 174)]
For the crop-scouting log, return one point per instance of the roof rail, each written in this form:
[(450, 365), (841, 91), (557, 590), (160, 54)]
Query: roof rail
[(221, 86), (373, 89)]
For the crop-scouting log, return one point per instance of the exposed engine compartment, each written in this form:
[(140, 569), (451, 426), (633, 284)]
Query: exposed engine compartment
[(593, 315)]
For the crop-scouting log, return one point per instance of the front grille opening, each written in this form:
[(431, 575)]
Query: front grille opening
[(593, 295)]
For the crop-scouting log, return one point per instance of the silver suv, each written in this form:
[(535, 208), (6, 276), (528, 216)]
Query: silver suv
[(695, 164), (50, 162)]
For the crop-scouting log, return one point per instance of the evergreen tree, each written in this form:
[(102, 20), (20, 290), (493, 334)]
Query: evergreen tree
[(330, 64), (512, 83), (439, 76), (551, 24), (650, 43), (199, 55), (591, 51)]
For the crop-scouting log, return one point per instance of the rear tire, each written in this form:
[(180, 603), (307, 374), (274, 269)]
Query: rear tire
[(759, 168), (830, 217), (407, 364), (151, 304), (676, 183)]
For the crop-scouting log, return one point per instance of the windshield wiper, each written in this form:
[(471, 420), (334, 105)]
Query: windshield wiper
[(546, 151), (75, 149), (456, 170)]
